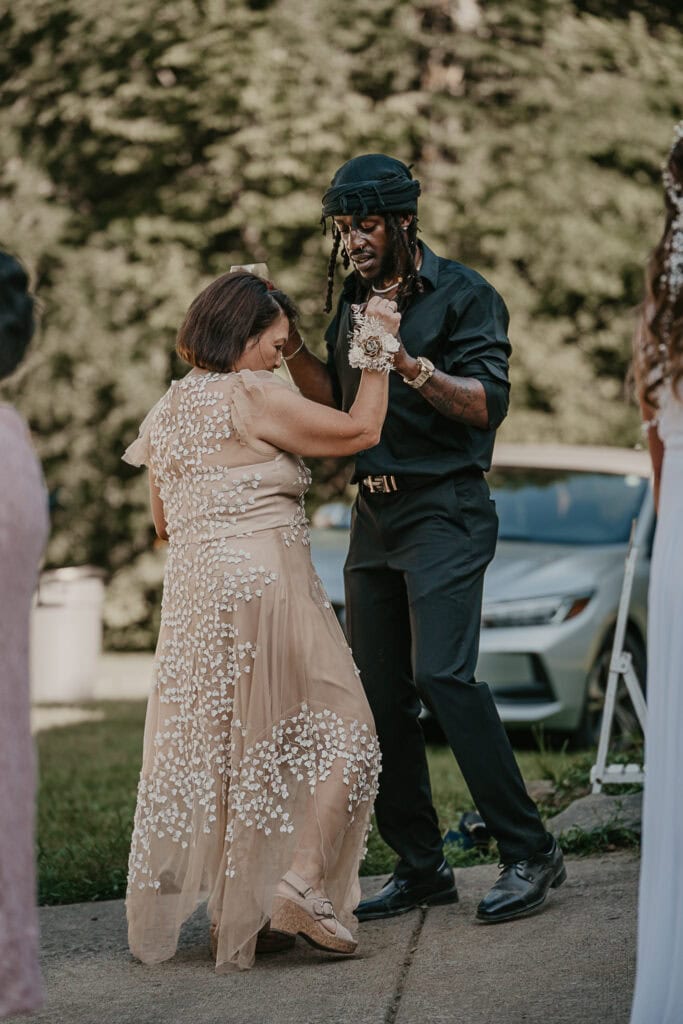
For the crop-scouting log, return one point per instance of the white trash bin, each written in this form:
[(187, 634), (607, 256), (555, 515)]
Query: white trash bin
[(66, 634)]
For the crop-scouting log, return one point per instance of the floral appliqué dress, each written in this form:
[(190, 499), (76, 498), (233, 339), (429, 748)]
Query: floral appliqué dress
[(259, 741)]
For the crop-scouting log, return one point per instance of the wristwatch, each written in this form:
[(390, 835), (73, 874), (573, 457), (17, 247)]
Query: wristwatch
[(426, 371)]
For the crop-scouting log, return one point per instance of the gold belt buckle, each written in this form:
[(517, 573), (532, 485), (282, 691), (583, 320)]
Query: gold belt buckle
[(381, 484)]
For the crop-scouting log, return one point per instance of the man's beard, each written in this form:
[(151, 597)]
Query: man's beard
[(387, 270)]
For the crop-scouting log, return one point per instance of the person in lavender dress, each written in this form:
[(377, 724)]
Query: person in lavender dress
[(23, 531)]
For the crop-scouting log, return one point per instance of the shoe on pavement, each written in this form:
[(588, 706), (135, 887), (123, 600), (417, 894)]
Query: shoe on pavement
[(400, 895), (523, 886), (298, 909)]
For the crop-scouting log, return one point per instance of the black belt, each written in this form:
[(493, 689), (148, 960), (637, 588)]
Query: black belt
[(390, 483)]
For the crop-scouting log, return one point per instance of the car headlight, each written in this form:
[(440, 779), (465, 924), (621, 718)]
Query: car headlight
[(533, 611)]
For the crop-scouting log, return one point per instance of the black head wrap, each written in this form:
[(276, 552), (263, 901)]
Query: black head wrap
[(372, 183)]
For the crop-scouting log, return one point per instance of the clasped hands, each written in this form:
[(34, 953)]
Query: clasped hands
[(385, 315), (386, 311)]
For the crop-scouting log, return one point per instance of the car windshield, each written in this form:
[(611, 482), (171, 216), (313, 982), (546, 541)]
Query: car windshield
[(551, 506)]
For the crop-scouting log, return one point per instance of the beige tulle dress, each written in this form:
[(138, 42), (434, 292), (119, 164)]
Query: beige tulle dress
[(259, 742)]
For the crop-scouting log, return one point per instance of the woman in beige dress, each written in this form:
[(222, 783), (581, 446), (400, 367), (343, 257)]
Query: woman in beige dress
[(260, 758), (23, 531)]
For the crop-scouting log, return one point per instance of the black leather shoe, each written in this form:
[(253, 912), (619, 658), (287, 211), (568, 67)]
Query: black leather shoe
[(523, 886), (398, 896)]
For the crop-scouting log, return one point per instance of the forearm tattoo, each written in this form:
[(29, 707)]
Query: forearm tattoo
[(457, 398)]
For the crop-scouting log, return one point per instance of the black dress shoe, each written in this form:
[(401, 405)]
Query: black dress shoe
[(398, 895), (523, 886)]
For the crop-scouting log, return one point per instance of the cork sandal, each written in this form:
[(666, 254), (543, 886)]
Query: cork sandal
[(298, 910)]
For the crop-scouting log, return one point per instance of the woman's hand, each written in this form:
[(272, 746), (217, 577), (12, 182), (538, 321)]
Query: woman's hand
[(386, 311)]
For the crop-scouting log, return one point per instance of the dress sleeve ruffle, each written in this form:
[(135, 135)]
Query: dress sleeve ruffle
[(138, 453), (248, 401)]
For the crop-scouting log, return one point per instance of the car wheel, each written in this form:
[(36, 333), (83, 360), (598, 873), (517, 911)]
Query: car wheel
[(625, 724)]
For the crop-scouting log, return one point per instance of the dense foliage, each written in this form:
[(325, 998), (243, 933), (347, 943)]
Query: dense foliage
[(145, 148)]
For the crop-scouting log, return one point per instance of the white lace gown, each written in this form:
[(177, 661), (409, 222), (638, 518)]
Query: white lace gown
[(658, 995), (259, 741)]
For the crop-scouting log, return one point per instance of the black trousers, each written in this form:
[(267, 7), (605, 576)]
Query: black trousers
[(414, 577)]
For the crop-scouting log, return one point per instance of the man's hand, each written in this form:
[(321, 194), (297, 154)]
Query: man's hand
[(386, 311)]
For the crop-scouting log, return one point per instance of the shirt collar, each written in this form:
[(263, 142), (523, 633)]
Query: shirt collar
[(430, 265)]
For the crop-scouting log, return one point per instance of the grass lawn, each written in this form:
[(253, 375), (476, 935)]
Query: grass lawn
[(86, 799)]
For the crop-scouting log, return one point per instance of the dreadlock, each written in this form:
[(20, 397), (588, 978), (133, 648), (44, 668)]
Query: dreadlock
[(402, 246), (331, 267)]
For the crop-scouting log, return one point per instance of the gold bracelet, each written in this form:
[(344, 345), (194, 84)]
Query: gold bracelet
[(295, 352)]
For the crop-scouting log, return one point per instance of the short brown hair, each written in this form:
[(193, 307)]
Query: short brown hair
[(221, 320)]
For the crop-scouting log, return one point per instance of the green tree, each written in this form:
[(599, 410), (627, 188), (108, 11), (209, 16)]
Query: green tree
[(144, 150)]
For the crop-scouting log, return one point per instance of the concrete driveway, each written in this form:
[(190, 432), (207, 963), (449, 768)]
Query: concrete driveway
[(571, 964)]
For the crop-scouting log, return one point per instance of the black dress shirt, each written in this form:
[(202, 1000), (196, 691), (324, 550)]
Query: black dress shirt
[(459, 322)]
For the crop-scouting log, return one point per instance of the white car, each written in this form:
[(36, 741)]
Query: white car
[(552, 591)]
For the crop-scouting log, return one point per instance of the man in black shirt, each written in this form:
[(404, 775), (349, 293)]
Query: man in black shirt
[(423, 531)]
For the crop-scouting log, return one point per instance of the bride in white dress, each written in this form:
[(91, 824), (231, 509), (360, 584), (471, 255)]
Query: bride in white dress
[(658, 995)]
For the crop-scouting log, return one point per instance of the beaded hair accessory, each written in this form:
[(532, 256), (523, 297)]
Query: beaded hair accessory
[(673, 263), (372, 347), (653, 342)]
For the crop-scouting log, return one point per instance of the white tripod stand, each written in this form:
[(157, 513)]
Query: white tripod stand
[(621, 667)]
